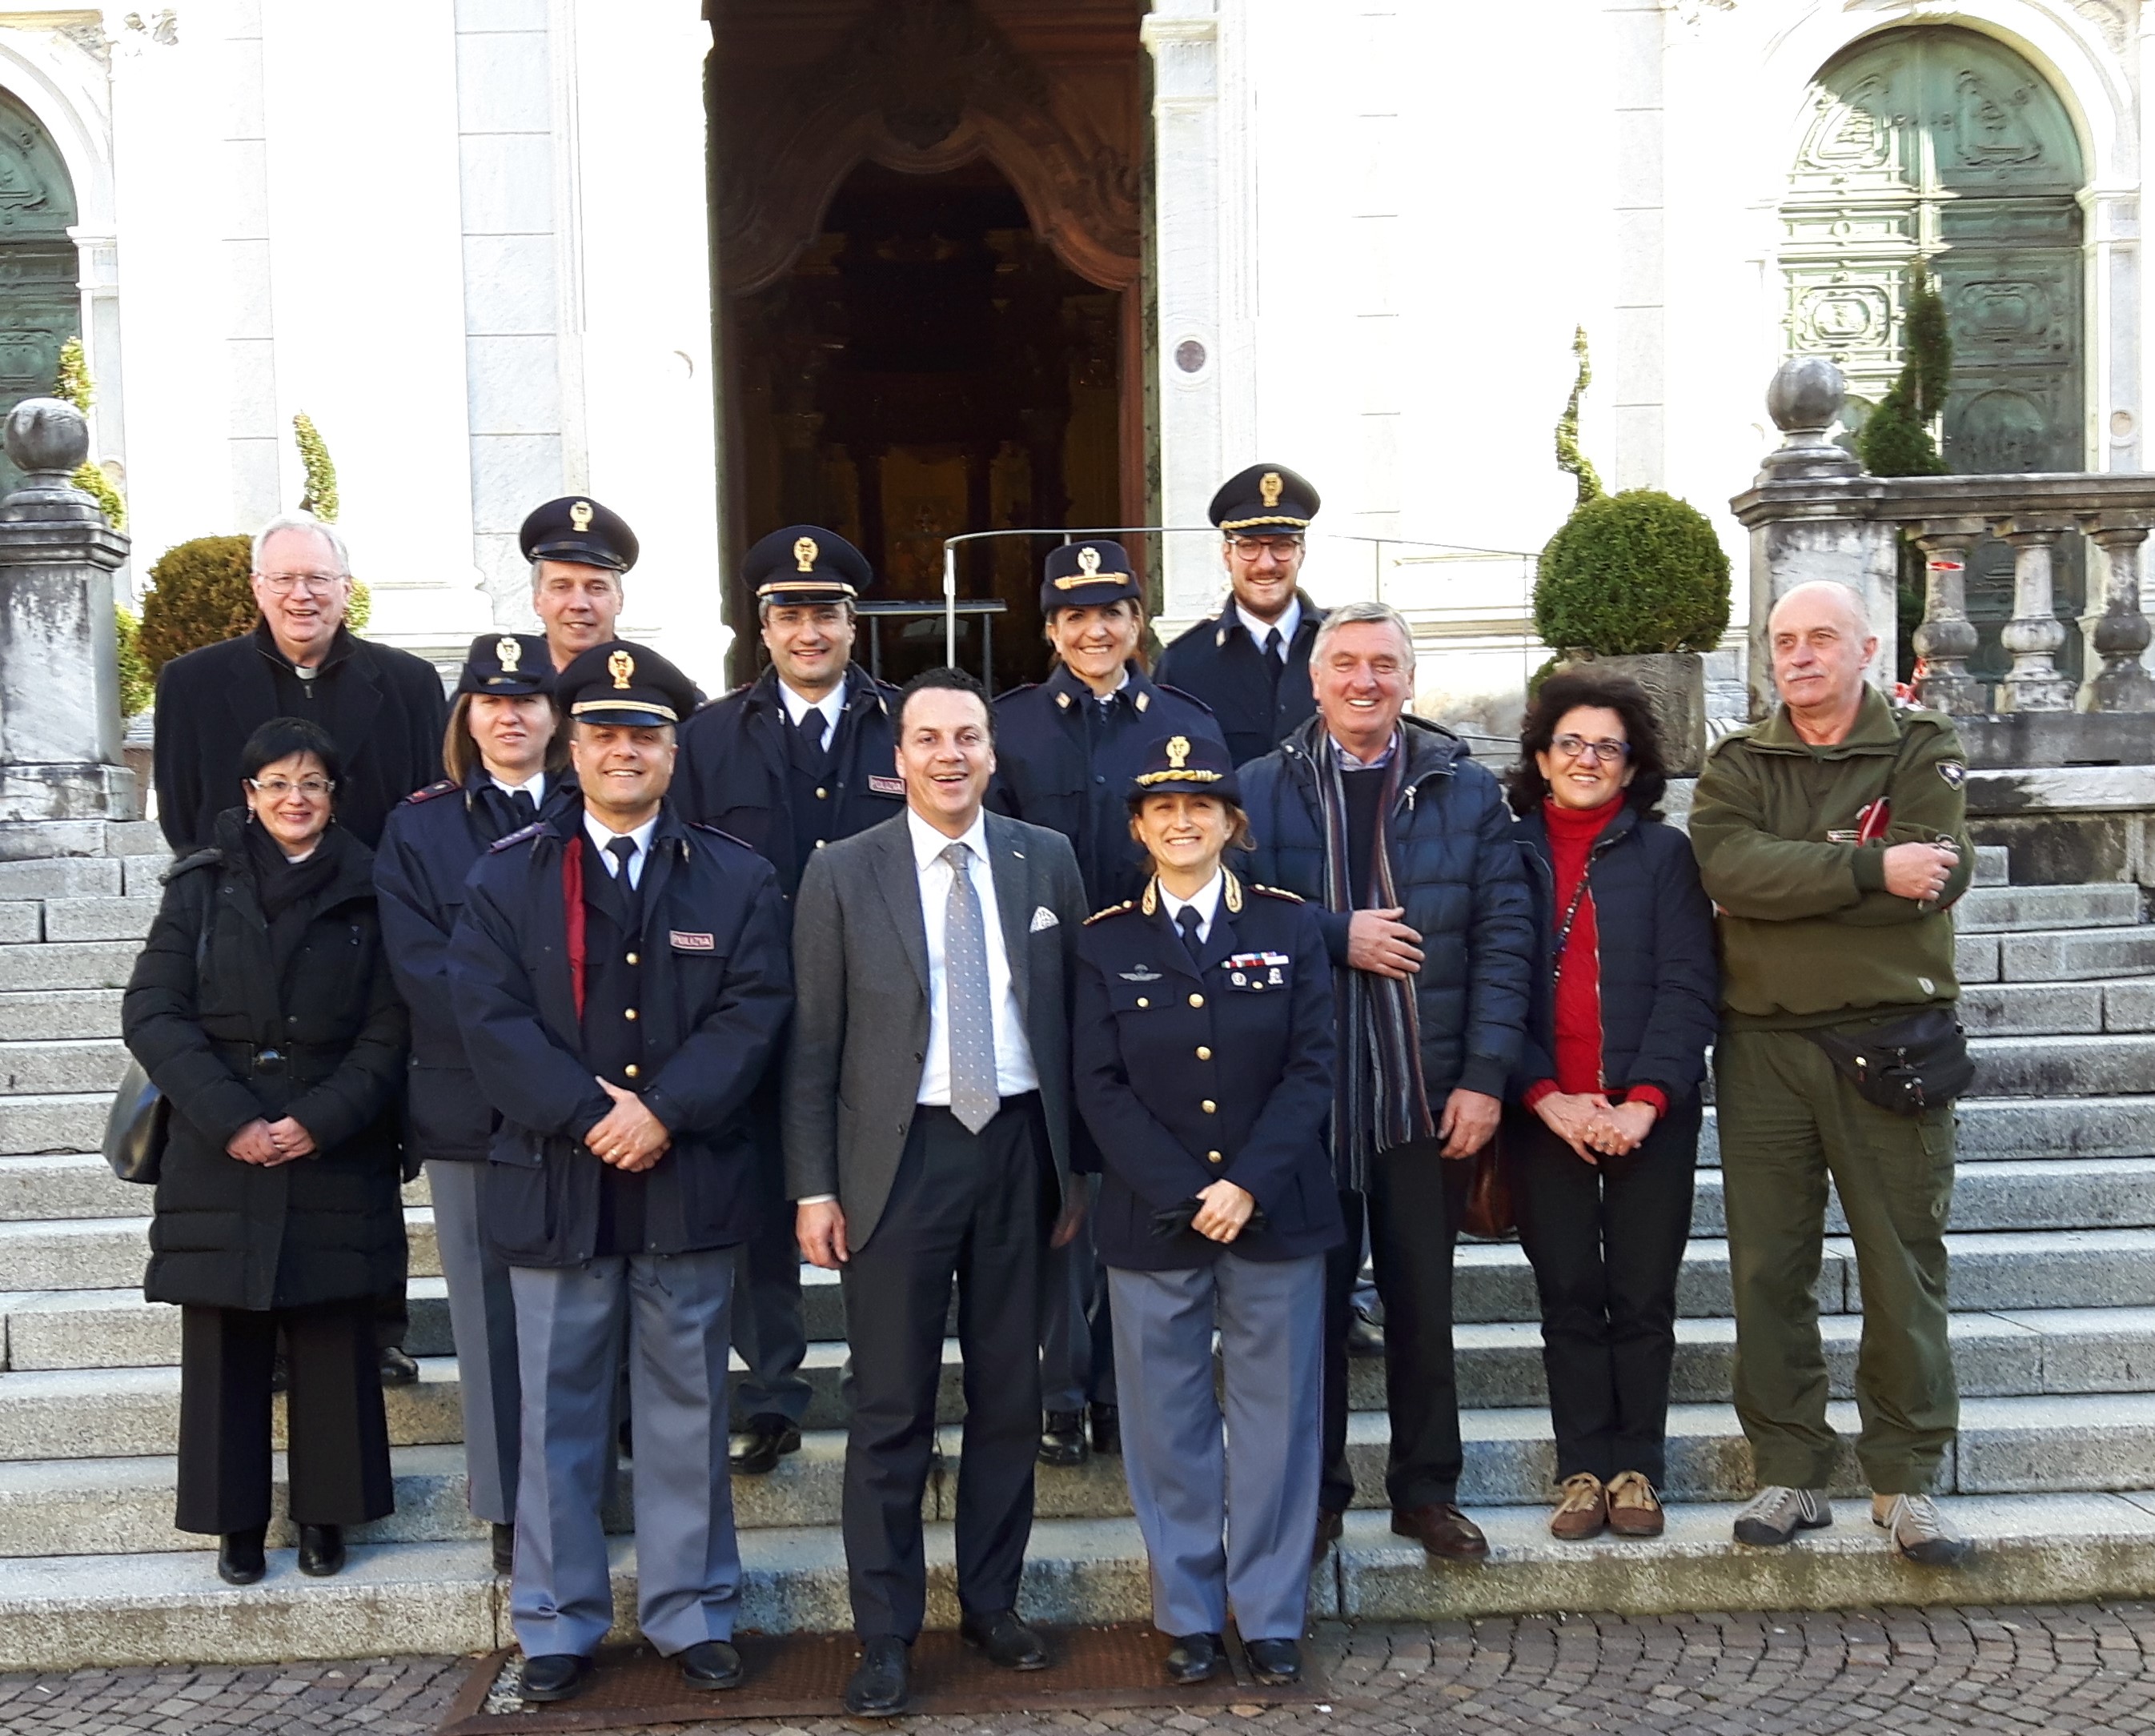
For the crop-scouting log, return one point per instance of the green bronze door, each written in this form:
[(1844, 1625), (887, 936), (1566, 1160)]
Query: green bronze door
[(1941, 145), (40, 306)]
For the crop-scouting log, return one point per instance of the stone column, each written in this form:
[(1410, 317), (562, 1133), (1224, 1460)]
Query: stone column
[(61, 774), (1947, 639), (2116, 679), (2035, 634)]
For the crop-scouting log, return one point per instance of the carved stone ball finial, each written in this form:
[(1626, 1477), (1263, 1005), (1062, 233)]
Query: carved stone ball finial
[(48, 435), (1806, 395)]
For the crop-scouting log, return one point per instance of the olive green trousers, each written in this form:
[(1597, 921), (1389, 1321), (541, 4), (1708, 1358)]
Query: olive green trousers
[(1787, 1121)]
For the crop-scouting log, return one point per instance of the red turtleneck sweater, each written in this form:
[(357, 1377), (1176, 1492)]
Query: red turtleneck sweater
[(1572, 832)]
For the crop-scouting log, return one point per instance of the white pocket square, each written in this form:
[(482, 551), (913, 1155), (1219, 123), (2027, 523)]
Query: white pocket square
[(1042, 917)]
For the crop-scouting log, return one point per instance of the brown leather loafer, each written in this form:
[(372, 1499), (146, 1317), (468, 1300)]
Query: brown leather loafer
[(1583, 1511), (1635, 1510), (1443, 1530)]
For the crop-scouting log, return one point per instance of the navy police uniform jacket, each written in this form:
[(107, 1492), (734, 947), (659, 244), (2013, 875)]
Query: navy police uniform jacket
[(1188, 1070), (713, 989), (428, 848), (746, 769), (1065, 762), (1218, 663)]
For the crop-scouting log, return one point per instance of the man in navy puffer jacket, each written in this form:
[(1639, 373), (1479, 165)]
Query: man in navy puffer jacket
[(1432, 944)]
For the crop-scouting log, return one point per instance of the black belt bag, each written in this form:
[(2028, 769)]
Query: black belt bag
[(1907, 1065)]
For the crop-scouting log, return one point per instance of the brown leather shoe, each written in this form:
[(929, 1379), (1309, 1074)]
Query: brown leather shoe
[(1635, 1510), (1443, 1530), (1330, 1528), (1583, 1511)]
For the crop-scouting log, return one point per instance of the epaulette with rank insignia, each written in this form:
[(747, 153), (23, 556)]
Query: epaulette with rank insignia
[(1113, 909), (432, 790), (534, 829), (1278, 892)]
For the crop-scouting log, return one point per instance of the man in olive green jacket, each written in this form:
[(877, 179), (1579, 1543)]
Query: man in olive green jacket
[(1820, 931)]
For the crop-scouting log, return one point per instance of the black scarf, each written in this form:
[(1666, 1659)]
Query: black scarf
[(286, 889)]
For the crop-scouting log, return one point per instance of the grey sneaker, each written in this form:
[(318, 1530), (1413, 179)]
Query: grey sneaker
[(1775, 1514), (1918, 1531)]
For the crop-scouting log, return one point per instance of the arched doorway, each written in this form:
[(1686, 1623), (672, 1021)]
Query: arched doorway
[(1944, 146), (40, 304), (927, 260)]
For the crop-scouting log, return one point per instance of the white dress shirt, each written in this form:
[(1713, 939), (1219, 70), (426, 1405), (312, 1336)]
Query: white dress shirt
[(1288, 622), (1014, 1070), (1205, 903), (536, 783), (602, 836)]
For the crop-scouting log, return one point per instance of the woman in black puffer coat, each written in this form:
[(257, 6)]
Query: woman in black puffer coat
[(263, 1008)]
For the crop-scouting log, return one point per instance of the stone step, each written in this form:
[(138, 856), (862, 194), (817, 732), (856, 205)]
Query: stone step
[(102, 1611), (63, 877), (108, 1253), (105, 919), (52, 1013), (1986, 909), (2065, 955), (2022, 1128), (69, 1064), (2021, 1066), (2051, 1193), (78, 1184), (2057, 1009), (68, 964), (1992, 866), (69, 1121)]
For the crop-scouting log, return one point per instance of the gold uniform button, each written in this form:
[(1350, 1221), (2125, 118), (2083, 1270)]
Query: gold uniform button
[(1197, 1000), (630, 1014), (1210, 1107), (1203, 1053), (822, 793), (819, 844), (1212, 1156), (630, 1070), (632, 959), (1143, 1002)]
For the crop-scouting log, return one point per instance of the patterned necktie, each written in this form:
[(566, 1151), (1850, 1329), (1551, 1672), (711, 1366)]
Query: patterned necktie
[(1189, 922), (972, 1096)]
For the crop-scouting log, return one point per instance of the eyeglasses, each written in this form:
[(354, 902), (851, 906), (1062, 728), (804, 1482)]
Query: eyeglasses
[(277, 789), (284, 584), (1577, 746), (1249, 547)]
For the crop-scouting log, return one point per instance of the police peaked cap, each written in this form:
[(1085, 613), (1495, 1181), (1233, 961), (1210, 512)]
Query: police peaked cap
[(507, 663), (1082, 576), (1186, 765), (807, 564), (1265, 497), (576, 528), (624, 683)]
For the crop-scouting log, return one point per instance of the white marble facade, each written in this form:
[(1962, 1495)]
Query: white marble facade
[(470, 237)]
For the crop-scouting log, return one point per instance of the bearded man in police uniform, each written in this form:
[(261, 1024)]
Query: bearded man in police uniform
[(621, 978), (800, 757), (1250, 663)]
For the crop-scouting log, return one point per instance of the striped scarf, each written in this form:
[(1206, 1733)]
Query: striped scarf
[(1378, 1098)]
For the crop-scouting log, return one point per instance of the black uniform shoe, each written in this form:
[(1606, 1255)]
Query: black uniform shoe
[(1008, 1642), (1365, 1336), (711, 1664), (879, 1688), (756, 1447), (239, 1561), (321, 1550), (1274, 1662), (397, 1369), (1196, 1657), (1062, 1438), (556, 1675), (1107, 1429), (505, 1549)]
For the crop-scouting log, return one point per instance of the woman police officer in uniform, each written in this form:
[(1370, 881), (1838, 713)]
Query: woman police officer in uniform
[(1202, 1048)]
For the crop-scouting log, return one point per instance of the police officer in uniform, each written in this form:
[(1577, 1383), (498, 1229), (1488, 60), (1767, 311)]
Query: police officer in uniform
[(798, 759), (508, 763), (579, 550), (1067, 749), (622, 978), (1250, 663), (1202, 1051)]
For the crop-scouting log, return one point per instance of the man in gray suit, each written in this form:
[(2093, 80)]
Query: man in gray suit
[(927, 1129)]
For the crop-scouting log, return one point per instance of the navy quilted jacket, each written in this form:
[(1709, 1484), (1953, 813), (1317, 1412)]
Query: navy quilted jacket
[(1459, 875)]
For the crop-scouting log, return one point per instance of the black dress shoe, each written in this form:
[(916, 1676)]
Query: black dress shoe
[(239, 1560), (1330, 1528), (1062, 1438), (756, 1447), (1365, 1336), (1196, 1657), (1107, 1429), (321, 1550), (1274, 1662), (397, 1369), (556, 1675), (1008, 1642), (505, 1549), (711, 1664), (879, 1688)]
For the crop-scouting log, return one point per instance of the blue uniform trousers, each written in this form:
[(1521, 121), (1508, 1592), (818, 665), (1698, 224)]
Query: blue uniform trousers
[(1209, 1554), (482, 1320), (569, 1327)]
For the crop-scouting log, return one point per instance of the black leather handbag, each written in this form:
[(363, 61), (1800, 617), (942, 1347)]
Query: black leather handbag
[(135, 1131), (1909, 1065)]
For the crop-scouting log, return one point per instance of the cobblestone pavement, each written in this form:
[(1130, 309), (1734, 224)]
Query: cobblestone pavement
[(2083, 1667)]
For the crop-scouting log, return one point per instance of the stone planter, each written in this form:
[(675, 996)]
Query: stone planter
[(1676, 683)]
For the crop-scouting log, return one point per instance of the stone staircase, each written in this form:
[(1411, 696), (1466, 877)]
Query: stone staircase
[(2054, 1289)]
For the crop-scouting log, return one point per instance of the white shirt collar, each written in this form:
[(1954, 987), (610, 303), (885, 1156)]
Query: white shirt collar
[(796, 707), (1205, 903), (536, 783), (601, 835), (928, 844), (1287, 623)]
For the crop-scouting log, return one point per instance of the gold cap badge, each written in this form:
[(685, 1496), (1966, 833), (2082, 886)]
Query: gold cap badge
[(621, 666), (1270, 486), (580, 515), (1089, 562), (506, 651), (1178, 751), (805, 551)]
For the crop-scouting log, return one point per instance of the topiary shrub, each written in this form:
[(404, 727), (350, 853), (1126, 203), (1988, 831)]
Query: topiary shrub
[(138, 686), (1631, 574), (200, 596)]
